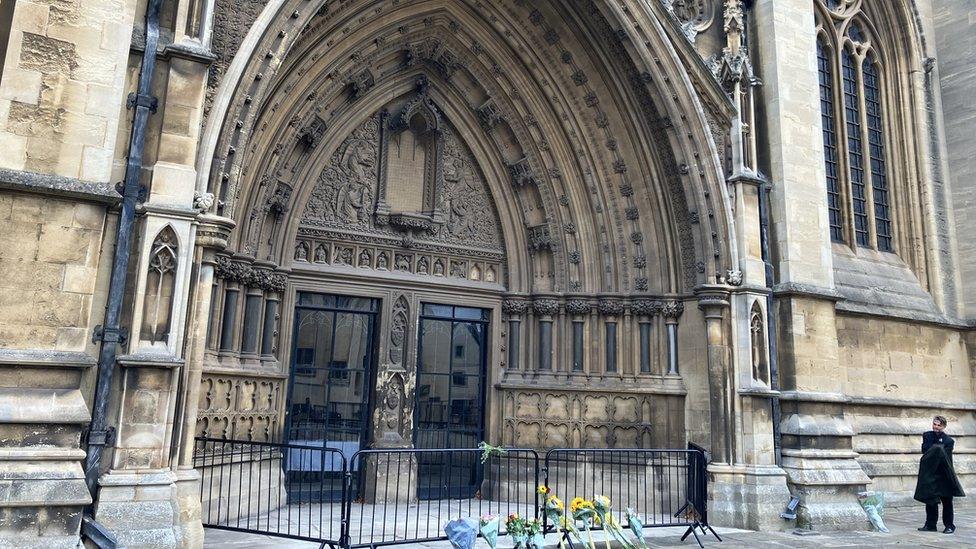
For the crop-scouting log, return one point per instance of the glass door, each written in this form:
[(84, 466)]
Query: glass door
[(451, 368), (330, 382)]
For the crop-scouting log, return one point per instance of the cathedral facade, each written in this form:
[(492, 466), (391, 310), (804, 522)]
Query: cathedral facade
[(746, 225)]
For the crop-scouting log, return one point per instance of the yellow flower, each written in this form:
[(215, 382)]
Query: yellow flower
[(543, 489), (576, 504), (556, 502)]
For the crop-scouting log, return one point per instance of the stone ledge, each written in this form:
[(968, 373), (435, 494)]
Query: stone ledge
[(20, 405), (787, 289), (810, 396), (41, 357), (150, 360), (58, 186), (627, 389)]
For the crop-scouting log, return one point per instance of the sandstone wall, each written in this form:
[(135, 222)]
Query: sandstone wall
[(51, 295), (898, 375), (955, 42)]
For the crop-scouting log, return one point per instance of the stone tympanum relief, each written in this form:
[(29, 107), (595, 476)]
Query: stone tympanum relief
[(403, 193)]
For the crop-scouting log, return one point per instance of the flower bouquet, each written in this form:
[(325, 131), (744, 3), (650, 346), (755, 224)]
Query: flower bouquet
[(601, 507), (489, 530), (517, 528), (637, 527), (462, 532), (537, 539)]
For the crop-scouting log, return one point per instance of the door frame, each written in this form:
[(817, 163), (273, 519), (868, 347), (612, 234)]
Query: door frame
[(369, 380)]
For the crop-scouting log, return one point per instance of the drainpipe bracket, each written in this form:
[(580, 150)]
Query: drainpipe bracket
[(140, 100), (107, 335), (105, 437)]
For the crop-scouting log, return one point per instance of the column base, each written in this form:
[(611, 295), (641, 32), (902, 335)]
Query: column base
[(748, 497), (141, 509), (190, 508), (827, 483), (43, 501)]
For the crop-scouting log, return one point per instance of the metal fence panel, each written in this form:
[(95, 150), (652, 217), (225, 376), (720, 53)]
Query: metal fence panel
[(407, 496), (393, 496), (283, 490), (663, 486)]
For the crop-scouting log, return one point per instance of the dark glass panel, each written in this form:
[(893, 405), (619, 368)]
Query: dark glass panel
[(855, 154), (879, 178), (828, 122)]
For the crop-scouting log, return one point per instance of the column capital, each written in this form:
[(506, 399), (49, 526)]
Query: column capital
[(713, 298), (213, 231)]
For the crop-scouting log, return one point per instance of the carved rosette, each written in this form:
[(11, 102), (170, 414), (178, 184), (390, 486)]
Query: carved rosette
[(515, 307), (672, 310), (545, 307), (610, 306), (578, 307), (646, 307)]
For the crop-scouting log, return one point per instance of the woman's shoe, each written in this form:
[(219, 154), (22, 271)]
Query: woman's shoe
[(949, 530)]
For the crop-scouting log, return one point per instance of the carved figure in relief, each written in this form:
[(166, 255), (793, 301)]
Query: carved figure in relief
[(382, 261), (423, 266), (354, 195), (364, 258), (301, 252), (320, 254), (438, 268)]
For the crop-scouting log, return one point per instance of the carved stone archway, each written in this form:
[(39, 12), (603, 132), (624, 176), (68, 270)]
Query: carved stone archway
[(596, 158)]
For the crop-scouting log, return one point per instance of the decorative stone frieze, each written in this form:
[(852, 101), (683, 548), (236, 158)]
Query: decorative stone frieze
[(647, 307), (672, 309), (540, 238), (578, 306), (610, 306), (545, 306), (514, 306)]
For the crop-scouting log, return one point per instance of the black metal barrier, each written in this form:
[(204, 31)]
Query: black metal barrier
[(394, 496), (284, 490)]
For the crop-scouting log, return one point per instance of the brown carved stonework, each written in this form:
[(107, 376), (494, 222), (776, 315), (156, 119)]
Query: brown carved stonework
[(560, 419), (239, 407)]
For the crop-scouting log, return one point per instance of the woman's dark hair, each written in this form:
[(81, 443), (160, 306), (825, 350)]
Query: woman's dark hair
[(941, 420)]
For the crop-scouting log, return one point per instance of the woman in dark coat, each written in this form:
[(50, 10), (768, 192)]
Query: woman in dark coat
[(937, 480)]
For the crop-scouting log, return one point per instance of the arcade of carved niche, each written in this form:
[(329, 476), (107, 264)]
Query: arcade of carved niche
[(463, 221)]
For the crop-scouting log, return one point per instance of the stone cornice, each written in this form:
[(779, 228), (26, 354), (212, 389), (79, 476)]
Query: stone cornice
[(58, 186), (45, 358)]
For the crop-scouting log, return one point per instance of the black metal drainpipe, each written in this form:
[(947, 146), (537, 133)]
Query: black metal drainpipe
[(111, 335), (770, 318)]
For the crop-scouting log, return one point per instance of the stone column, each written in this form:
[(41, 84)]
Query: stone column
[(578, 309), (671, 311), (392, 477), (713, 301), (211, 237), (514, 309), (545, 308), (817, 438)]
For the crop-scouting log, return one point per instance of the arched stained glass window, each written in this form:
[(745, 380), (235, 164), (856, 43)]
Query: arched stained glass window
[(879, 180), (852, 118)]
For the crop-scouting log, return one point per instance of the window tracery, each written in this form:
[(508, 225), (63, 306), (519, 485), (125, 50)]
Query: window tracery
[(854, 128), (160, 282)]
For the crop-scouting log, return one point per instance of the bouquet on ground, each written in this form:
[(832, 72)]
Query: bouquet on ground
[(637, 527), (555, 510), (583, 511), (489, 529), (601, 508), (517, 528)]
